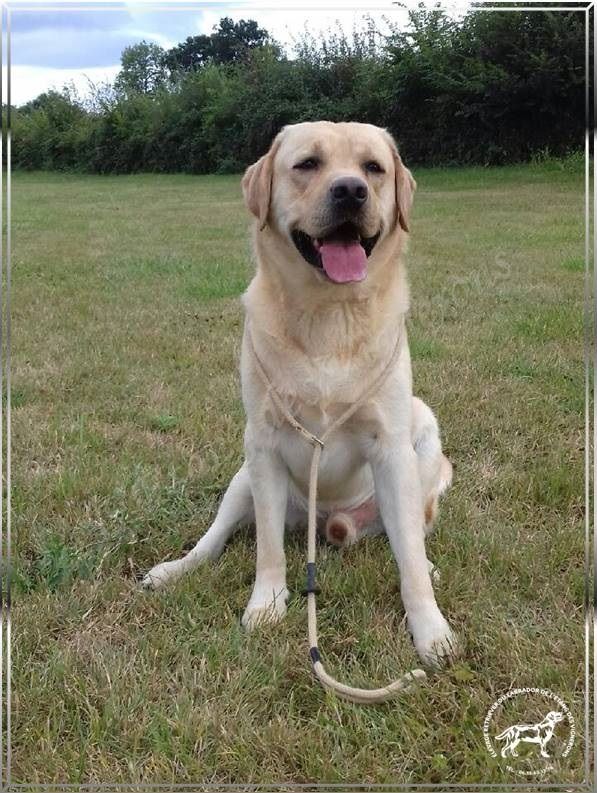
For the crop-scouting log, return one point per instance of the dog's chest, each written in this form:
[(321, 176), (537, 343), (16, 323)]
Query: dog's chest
[(344, 475)]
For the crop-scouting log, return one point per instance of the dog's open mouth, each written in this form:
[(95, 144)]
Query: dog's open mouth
[(341, 255)]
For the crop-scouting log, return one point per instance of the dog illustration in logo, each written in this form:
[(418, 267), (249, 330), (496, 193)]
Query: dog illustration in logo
[(540, 733)]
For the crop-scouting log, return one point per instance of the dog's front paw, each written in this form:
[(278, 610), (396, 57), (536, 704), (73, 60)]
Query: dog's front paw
[(434, 640), (163, 574), (267, 605)]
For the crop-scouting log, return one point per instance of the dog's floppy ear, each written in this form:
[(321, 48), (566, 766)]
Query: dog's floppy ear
[(405, 187), (257, 184)]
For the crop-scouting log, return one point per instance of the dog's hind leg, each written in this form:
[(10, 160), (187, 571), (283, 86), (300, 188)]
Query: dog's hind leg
[(236, 508), (435, 470)]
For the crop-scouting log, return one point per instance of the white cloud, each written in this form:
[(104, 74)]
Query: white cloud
[(286, 24), (286, 21), (27, 82)]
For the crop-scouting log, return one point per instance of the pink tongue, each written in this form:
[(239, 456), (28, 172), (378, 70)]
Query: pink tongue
[(344, 262)]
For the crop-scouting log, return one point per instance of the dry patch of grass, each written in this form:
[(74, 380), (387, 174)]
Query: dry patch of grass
[(128, 425)]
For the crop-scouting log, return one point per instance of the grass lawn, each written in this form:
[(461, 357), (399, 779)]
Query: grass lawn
[(127, 426)]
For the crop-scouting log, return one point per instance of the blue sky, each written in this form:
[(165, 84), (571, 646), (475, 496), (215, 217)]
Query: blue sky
[(79, 39), (51, 48)]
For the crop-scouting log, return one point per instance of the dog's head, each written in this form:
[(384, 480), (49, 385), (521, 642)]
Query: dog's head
[(554, 716), (332, 194)]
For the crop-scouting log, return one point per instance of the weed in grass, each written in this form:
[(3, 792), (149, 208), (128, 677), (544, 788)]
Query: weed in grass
[(574, 265), (164, 423)]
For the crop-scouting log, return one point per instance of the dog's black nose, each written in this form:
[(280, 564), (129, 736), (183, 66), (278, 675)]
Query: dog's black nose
[(349, 192)]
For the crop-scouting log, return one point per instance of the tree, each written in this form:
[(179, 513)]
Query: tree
[(190, 55), (143, 69), (231, 42)]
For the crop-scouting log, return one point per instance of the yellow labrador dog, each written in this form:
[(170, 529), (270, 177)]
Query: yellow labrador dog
[(324, 314)]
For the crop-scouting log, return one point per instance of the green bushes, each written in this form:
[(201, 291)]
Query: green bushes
[(489, 89), (52, 133)]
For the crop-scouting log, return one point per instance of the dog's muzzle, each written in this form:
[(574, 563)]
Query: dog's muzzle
[(341, 255)]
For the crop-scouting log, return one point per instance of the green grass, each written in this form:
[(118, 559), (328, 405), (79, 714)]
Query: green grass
[(127, 427)]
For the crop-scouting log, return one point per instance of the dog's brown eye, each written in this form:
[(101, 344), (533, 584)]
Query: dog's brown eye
[(373, 167), (307, 165)]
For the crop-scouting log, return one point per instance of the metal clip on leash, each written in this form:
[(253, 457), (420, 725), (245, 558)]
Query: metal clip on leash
[(360, 695)]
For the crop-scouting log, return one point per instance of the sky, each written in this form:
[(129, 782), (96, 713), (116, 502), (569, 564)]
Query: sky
[(67, 44)]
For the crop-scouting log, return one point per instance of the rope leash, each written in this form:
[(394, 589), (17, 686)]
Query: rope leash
[(360, 695)]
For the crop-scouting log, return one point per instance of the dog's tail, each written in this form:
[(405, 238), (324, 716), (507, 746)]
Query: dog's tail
[(504, 734)]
